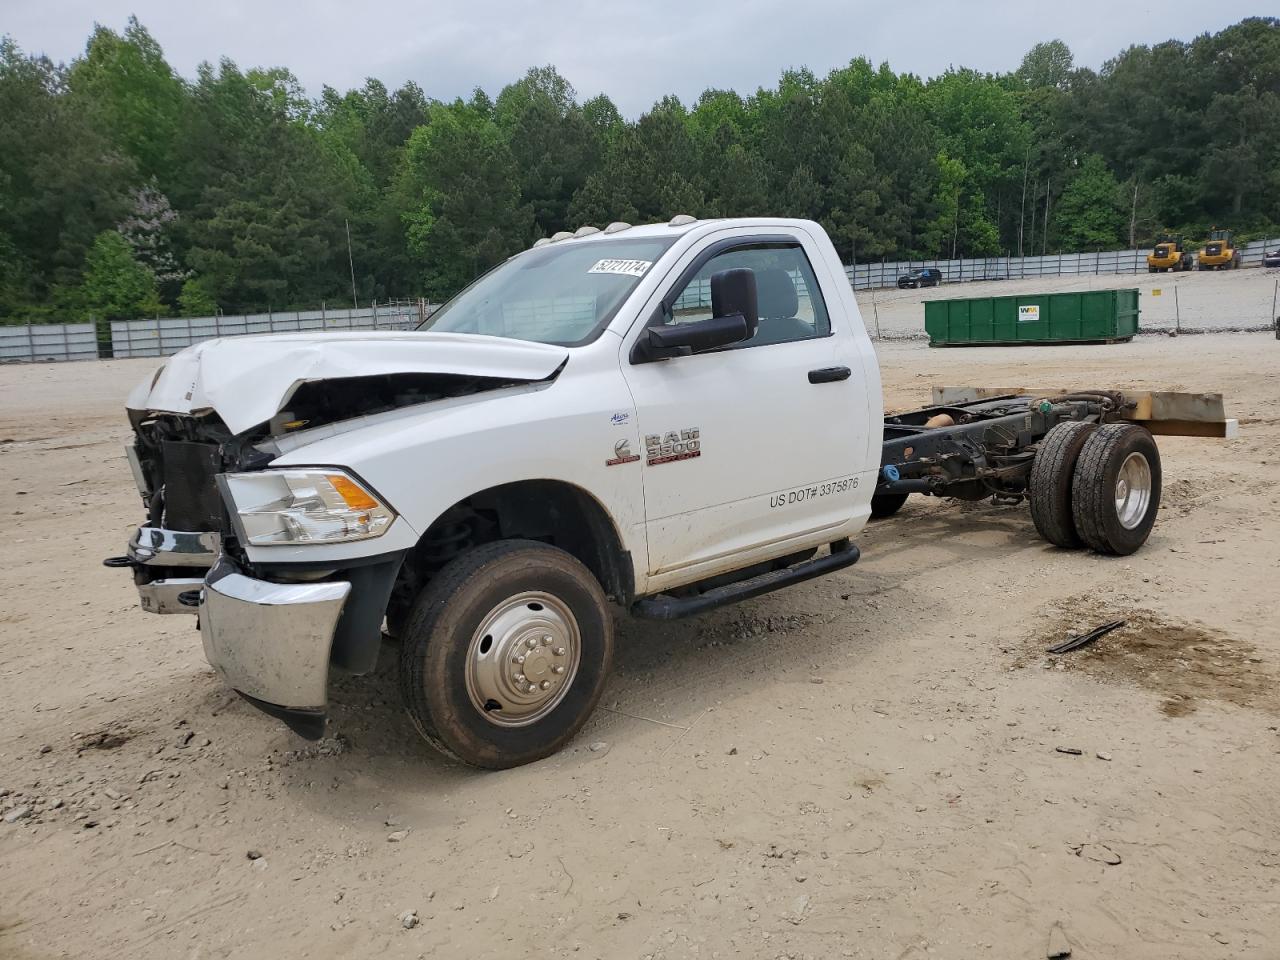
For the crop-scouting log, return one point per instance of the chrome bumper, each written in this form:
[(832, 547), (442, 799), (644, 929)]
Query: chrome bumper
[(158, 547), (155, 547), (163, 596), (271, 641)]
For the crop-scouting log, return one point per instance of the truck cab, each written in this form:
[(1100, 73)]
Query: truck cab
[(653, 419)]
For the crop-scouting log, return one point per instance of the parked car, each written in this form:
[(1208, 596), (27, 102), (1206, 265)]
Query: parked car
[(1271, 258), (928, 277)]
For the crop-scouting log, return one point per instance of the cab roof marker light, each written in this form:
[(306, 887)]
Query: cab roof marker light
[(680, 219), (541, 242), (562, 235), (617, 227), (585, 231)]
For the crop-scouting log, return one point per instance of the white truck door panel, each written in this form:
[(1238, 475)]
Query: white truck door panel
[(744, 456)]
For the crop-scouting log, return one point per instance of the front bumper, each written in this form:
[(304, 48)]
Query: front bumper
[(271, 642), (169, 563)]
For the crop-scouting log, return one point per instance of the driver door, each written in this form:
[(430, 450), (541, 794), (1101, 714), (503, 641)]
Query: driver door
[(750, 451)]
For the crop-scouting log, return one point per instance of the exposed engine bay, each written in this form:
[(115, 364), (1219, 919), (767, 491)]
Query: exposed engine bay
[(178, 456)]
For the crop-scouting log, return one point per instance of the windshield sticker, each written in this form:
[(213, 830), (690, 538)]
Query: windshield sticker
[(626, 268)]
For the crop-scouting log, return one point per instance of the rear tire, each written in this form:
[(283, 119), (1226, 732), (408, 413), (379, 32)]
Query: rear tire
[(1115, 491), (1052, 473), (464, 688), (886, 504)]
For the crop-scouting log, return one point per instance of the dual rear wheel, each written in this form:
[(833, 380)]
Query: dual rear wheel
[(1096, 486)]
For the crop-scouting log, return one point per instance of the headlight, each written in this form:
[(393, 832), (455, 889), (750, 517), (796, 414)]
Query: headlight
[(304, 506)]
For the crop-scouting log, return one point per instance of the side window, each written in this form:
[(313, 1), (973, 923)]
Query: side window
[(790, 303)]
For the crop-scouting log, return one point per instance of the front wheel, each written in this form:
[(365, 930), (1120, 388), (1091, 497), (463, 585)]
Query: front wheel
[(506, 653)]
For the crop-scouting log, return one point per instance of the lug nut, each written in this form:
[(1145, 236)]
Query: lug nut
[(559, 651), (545, 684), (557, 669), (520, 659), (531, 643), (545, 641), (520, 678)]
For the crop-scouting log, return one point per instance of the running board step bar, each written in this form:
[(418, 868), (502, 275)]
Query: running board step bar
[(843, 554)]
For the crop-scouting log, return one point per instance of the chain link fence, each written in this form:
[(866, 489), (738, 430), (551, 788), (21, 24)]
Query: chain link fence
[(866, 276)]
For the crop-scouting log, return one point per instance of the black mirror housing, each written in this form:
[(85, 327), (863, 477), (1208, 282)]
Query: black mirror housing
[(734, 291), (734, 318), (696, 337)]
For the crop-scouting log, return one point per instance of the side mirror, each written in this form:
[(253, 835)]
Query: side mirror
[(697, 336), (734, 318), (734, 291)]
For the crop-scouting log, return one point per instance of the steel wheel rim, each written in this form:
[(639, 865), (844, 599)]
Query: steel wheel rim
[(522, 659), (1133, 490)]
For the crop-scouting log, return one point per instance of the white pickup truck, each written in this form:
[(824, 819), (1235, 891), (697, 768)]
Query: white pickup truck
[(655, 419)]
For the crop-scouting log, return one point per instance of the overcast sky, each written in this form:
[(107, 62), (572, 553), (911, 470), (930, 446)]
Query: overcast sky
[(635, 52)]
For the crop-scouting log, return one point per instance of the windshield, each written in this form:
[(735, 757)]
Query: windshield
[(561, 294)]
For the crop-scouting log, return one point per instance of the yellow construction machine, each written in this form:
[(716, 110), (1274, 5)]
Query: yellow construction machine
[(1170, 253), (1219, 252)]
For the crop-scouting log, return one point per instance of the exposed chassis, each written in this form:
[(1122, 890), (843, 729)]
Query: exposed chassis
[(981, 447)]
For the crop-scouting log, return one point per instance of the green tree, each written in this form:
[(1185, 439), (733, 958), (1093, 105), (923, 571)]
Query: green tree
[(267, 228), (1047, 64), (982, 128), (551, 141), (650, 173), (61, 182), (1089, 214), (465, 212), (195, 300), (241, 179), (116, 286), (135, 98)]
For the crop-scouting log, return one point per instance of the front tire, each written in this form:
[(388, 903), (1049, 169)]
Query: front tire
[(506, 653), (1115, 490)]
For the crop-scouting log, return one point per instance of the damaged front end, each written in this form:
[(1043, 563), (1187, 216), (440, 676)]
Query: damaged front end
[(288, 570)]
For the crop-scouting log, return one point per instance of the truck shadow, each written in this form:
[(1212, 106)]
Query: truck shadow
[(669, 671)]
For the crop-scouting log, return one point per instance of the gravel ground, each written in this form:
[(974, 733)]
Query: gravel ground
[(882, 763), (1213, 300)]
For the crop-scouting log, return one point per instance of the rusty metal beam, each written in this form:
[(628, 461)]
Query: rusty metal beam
[(1168, 413)]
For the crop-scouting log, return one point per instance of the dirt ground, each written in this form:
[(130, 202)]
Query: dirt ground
[(1209, 300), (883, 763)]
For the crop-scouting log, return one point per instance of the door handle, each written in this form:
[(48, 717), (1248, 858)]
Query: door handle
[(829, 374)]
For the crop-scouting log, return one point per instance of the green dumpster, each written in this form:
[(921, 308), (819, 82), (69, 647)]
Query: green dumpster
[(1093, 316)]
